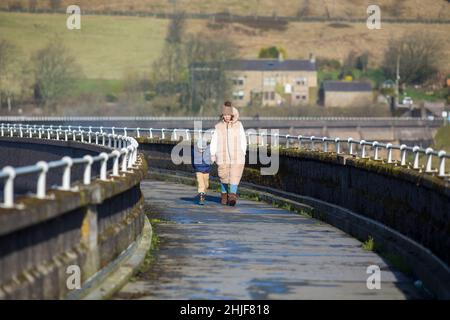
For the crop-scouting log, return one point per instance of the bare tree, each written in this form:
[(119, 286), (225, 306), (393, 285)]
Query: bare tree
[(12, 73), (55, 4), (397, 8), (55, 72), (32, 4), (304, 10), (169, 66), (207, 59), (418, 53)]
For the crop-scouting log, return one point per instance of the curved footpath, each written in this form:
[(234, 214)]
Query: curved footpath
[(252, 251)]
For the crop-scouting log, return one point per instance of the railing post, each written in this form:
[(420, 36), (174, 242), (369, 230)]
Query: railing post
[(124, 159), (350, 146), (116, 155), (82, 135), (389, 150), (130, 157), (337, 145), (287, 141), (125, 131), (87, 169), (8, 192), (300, 141), (2, 130), (429, 165), (42, 179), (66, 173), (188, 135), (403, 154), (150, 132), (441, 156), (324, 144), (362, 145), (138, 135), (162, 134), (175, 135), (416, 157), (96, 137), (103, 166), (375, 152)]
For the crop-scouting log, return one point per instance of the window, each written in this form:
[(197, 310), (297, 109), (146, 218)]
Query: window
[(238, 95), (270, 82), (269, 95), (288, 88), (238, 81), (301, 81)]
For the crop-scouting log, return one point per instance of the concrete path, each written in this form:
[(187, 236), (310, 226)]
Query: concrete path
[(252, 251)]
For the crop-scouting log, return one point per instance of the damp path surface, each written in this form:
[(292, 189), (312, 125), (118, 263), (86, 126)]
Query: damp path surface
[(252, 251)]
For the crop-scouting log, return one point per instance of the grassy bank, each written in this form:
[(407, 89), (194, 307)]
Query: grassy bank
[(105, 47), (110, 47)]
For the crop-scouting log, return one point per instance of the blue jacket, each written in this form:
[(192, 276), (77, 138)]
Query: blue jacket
[(201, 161)]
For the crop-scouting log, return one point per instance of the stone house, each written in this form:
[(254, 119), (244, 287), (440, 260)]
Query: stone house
[(346, 94), (273, 82)]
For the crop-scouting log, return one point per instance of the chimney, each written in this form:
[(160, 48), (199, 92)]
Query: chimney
[(312, 58)]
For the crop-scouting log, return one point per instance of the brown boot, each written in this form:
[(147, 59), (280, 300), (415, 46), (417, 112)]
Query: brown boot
[(224, 199), (232, 199)]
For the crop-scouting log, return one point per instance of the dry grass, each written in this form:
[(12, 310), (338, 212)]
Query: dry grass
[(106, 47), (334, 8), (324, 40), (110, 47)]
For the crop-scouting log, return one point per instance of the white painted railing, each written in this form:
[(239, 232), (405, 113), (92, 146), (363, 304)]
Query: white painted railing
[(124, 149), (383, 152)]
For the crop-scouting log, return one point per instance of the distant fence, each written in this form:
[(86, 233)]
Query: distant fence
[(228, 17)]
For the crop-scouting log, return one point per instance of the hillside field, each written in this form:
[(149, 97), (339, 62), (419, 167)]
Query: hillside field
[(110, 47), (402, 9)]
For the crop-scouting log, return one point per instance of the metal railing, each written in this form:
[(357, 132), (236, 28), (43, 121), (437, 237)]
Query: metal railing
[(124, 150), (388, 153), (213, 118)]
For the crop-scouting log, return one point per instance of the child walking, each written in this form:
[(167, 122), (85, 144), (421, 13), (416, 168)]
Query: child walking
[(201, 155)]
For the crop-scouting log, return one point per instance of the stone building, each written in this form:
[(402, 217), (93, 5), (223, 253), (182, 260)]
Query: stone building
[(274, 82), (346, 94)]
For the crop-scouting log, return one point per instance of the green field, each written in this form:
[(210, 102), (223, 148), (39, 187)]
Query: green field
[(106, 47)]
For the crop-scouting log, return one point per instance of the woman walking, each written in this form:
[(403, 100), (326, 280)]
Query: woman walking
[(228, 149)]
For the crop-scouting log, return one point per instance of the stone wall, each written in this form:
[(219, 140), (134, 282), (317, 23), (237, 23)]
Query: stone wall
[(412, 204), (88, 227)]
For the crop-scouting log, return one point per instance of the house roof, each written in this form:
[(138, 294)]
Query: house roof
[(272, 65), (346, 86)]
